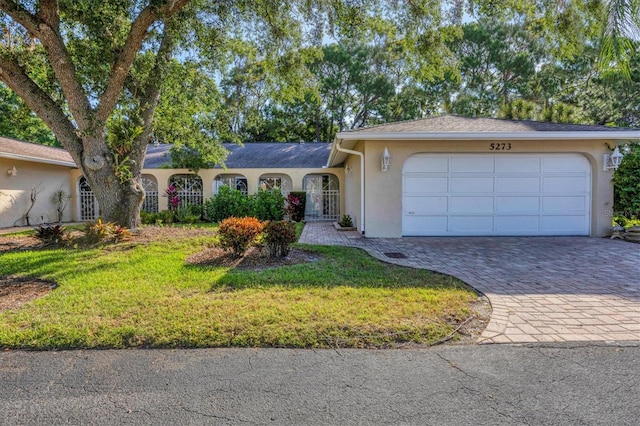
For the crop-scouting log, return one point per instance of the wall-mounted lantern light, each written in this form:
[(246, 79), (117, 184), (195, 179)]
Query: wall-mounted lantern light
[(385, 160), (613, 160), (12, 171)]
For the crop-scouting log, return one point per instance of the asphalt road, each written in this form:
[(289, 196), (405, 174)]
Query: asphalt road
[(449, 385)]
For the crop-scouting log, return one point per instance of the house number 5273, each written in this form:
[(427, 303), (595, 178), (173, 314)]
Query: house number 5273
[(500, 146)]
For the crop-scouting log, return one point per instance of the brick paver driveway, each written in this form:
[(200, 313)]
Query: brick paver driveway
[(541, 289)]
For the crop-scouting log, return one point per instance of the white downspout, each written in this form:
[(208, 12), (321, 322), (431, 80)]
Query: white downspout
[(361, 155)]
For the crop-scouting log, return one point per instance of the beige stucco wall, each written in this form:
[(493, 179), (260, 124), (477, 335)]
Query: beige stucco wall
[(209, 175), (351, 192), (15, 192), (383, 190)]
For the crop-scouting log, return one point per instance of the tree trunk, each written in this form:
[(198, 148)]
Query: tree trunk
[(119, 200)]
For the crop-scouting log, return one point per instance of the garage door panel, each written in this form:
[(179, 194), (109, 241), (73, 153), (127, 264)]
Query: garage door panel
[(421, 163), (564, 184), (497, 194), (471, 184), (471, 224), (418, 205), (517, 184), (564, 204), (518, 165), (471, 205), (514, 205), (425, 225), (417, 185), (473, 164), (562, 225), (564, 164), (517, 225)]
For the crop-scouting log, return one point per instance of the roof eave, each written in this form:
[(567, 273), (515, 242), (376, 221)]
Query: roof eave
[(38, 160), (574, 135)]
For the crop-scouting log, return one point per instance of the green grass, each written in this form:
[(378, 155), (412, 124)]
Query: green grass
[(147, 296)]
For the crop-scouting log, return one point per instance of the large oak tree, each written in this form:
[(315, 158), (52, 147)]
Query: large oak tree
[(70, 61)]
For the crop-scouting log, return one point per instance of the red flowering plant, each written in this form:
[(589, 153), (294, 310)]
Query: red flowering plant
[(295, 206), (174, 198)]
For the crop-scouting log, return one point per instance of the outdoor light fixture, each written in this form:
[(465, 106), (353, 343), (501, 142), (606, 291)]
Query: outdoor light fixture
[(12, 171), (613, 160), (385, 160)]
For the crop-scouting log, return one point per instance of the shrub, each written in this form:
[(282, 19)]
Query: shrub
[(268, 205), (626, 184), (237, 234), (189, 213), (227, 203), (51, 234), (165, 216), (296, 204), (148, 218), (120, 233), (100, 232), (346, 221), (278, 237)]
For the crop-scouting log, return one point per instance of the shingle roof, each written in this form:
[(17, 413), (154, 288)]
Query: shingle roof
[(454, 123), (257, 155), (14, 148)]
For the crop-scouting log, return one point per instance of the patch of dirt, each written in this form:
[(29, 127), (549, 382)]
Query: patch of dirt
[(16, 291), (253, 260)]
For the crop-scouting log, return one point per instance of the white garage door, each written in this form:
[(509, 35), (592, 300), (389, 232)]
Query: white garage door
[(508, 194)]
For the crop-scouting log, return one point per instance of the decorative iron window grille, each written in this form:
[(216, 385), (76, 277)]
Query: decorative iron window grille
[(89, 209), (323, 197), (189, 188), (150, 185)]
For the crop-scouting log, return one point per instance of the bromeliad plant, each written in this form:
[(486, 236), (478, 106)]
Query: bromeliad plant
[(296, 203), (174, 199)]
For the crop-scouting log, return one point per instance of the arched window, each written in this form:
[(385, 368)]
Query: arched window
[(89, 209), (150, 185), (189, 188), (323, 197), (276, 181), (233, 181)]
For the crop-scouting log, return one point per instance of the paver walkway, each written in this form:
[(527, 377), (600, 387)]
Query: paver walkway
[(541, 289)]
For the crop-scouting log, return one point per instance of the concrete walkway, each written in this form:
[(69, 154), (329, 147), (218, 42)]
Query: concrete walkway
[(541, 289)]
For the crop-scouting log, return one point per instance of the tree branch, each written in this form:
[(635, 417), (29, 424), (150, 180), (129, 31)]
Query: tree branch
[(21, 15), (151, 92), (41, 103), (122, 65), (45, 27)]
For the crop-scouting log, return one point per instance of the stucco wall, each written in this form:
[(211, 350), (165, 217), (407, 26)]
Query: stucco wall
[(209, 175), (15, 197), (383, 190)]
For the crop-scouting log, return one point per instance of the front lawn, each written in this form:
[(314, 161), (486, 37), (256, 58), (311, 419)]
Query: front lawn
[(146, 294)]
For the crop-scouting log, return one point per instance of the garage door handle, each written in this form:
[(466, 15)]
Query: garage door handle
[(411, 212)]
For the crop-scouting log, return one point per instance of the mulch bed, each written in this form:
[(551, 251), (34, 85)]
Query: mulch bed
[(16, 291)]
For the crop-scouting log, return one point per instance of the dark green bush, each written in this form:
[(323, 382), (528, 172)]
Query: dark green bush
[(189, 213), (238, 233), (626, 184), (165, 216), (264, 205), (227, 203), (278, 237), (148, 218), (268, 205)]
